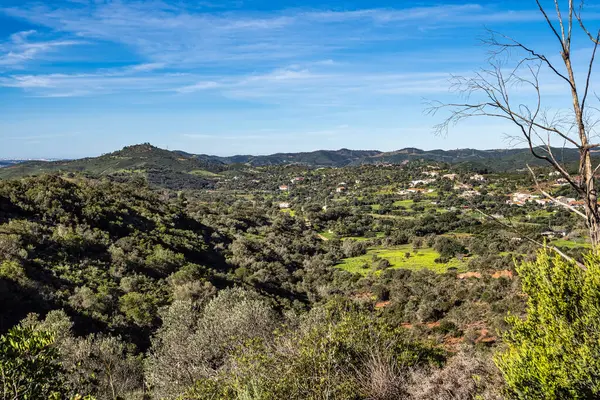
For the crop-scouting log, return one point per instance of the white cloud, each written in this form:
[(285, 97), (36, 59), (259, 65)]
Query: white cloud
[(178, 35), (196, 87), (289, 57), (20, 49)]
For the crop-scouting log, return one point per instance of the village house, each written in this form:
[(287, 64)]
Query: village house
[(561, 182), (462, 186), (414, 190), (421, 182), (283, 187), (284, 205), (340, 189), (470, 193), (297, 179), (478, 178), (544, 202), (519, 199)]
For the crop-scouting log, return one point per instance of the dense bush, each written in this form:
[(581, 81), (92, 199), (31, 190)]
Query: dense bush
[(553, 352), (334, 353), (29, 365)]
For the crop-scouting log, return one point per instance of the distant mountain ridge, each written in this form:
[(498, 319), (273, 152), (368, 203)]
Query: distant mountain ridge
[(319, 158), (194, 169), (496, 159)]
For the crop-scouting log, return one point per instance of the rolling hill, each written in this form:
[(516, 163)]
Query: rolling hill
[(178, 169), (498, 160), (158, 166)]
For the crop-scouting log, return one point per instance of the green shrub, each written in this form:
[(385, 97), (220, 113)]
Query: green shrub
[(333, 354), (29, 366), (553, 352)]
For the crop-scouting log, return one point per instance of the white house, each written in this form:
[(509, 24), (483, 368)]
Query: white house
[(421, 182)]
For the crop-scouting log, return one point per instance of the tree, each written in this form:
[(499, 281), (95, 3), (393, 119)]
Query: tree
[(514, 66), (102, 365), (193, 344), (29, 365), (553, 352)]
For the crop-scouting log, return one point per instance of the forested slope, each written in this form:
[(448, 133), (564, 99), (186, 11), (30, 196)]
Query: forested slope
[(102, 251)]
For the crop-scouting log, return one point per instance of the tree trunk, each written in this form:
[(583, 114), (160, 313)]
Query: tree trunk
[(586, 171), (591, 201)]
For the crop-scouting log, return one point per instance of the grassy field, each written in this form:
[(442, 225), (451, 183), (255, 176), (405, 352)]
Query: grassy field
[(328, 235), (403, 203), (203, 173), (396, 256), (572, 244)]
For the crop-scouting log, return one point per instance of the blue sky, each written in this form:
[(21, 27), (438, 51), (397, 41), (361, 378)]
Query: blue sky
[(85, 77)]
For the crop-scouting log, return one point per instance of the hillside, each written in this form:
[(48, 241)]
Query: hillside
[(74, 244), (321, 158), (178, 169), (159, 167), (497, 159)]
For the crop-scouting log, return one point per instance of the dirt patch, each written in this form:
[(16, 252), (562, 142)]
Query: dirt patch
[(469, 275), (383, 304), (485, 337), (452, 342), (503, 274)]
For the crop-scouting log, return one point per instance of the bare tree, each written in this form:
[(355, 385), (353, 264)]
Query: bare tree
[(510, 89)]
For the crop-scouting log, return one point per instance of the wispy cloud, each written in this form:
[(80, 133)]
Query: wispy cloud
[(179, 35), (22, 47), (283, 57), (317, 85)]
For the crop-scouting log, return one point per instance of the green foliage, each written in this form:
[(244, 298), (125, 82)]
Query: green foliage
[(448, 247), (102, 249), (192, 344), (553, 352), (330, 356), (138, 307), (29, 365), (111, 255), (101, 365)]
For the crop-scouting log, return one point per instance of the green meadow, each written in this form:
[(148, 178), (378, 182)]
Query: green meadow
[(572, 244), (421, 259)]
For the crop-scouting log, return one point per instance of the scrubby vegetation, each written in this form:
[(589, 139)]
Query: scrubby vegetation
[(362, 282)]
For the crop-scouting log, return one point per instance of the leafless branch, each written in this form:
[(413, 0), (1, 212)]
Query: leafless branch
[(531, 240), (549, 196), (491, 93)]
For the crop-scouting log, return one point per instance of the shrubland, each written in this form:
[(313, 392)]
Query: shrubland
[(121, 290)]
